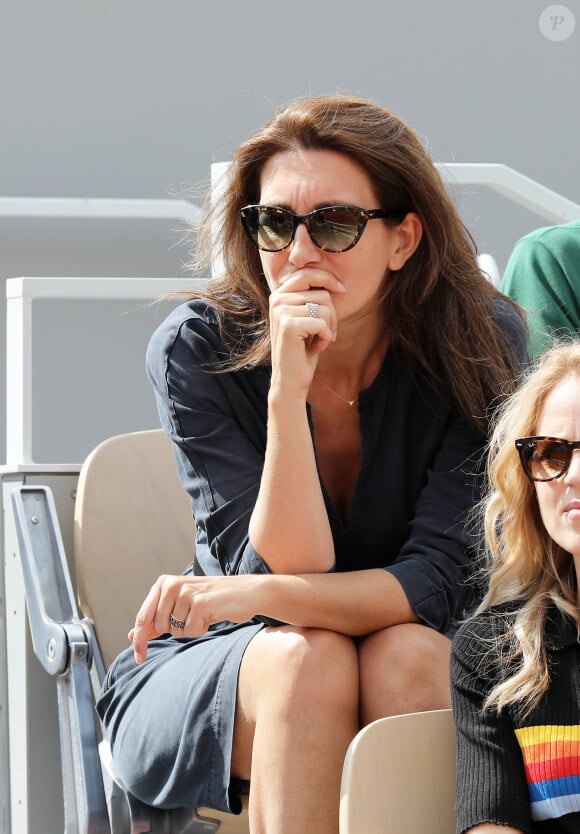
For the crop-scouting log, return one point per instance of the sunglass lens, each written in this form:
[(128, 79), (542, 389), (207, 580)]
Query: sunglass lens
[(335, 229), (271, 228), (547, 459)]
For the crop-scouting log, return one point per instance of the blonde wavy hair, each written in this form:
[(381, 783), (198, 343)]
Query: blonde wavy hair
[(526, 564)]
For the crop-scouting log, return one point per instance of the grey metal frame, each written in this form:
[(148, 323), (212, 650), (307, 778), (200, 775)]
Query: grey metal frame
[(66, 645)]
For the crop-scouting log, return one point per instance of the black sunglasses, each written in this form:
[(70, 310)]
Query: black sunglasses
[(545, 458), (332, 228)]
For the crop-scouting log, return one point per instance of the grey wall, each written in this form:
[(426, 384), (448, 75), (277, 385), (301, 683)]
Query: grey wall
[(137, 98)]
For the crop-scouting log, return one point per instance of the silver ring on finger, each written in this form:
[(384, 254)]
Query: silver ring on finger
[(312, 308), (179, 624)]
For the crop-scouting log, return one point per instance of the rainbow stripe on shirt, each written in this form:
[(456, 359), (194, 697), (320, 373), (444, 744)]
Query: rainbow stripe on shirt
[(552, 761)]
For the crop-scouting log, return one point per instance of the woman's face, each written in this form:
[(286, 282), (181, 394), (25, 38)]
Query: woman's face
[(559, 500), (304, 180)]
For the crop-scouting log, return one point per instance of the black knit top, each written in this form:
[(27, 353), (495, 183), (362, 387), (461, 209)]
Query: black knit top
[(522, 772)]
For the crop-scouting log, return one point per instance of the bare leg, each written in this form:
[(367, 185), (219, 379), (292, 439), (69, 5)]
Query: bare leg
[(297, 713), (403, 669)]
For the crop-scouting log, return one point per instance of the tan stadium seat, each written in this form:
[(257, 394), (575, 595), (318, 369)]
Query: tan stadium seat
[(399, 776), (133, 522)]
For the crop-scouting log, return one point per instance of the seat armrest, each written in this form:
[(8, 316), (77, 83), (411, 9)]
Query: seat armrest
[(66, 647), (49, 595)]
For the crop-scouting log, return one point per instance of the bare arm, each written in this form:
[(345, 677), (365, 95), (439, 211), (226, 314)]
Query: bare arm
[(289, 526), (354, 603)]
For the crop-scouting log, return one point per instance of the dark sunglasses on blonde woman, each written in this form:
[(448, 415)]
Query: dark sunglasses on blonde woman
[(545, 458)]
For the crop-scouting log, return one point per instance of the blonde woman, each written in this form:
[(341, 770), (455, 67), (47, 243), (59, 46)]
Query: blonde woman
[(516, 665)]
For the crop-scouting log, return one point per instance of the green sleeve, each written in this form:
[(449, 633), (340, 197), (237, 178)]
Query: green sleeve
[(538, 278)]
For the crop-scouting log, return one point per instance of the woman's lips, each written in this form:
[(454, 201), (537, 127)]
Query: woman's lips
[(572, 509)]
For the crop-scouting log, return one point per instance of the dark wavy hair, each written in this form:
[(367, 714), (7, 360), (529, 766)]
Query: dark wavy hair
[(439, 309)]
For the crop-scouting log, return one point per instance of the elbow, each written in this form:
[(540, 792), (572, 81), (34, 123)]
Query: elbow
[(294, 563), (292, 557)]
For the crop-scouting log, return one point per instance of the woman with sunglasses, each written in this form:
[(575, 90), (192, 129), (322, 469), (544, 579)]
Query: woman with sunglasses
[(327, 397), (516, 665)]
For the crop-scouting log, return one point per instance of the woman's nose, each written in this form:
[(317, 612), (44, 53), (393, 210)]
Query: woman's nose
[(303, 250)]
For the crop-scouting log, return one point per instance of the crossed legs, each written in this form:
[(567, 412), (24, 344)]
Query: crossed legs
[(302, 696)]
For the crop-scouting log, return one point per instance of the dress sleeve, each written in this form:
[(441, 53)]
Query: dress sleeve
[(491, 783), (435, 564), (217, 426)]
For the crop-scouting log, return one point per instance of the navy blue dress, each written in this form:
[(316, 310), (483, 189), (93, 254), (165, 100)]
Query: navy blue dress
[(170, 720)]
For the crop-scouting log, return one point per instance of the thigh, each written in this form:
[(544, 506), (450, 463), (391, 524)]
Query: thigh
[(288, 674)]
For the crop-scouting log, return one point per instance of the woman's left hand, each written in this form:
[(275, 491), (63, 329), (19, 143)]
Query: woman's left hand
[(196, 601)]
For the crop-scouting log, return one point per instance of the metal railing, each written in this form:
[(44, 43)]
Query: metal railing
[(20, 294), (516, 187), (94, 208)]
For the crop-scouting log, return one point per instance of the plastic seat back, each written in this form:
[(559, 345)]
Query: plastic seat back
[(399, 776), (133, 522)]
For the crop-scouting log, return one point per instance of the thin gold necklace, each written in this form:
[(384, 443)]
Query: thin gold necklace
[(338, 397)]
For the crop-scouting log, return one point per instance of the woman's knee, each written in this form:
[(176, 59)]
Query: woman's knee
[(410, 645), (404, 668), (295, 680), (295, 663)]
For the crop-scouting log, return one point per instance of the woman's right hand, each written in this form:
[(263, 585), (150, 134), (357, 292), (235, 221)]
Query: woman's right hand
[(289, 526), (298, 338)]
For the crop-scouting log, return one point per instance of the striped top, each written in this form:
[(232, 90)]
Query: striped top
[(521, 772), (551, 756)]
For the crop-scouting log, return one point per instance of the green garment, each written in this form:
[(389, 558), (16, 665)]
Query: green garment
[(543, 277)]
